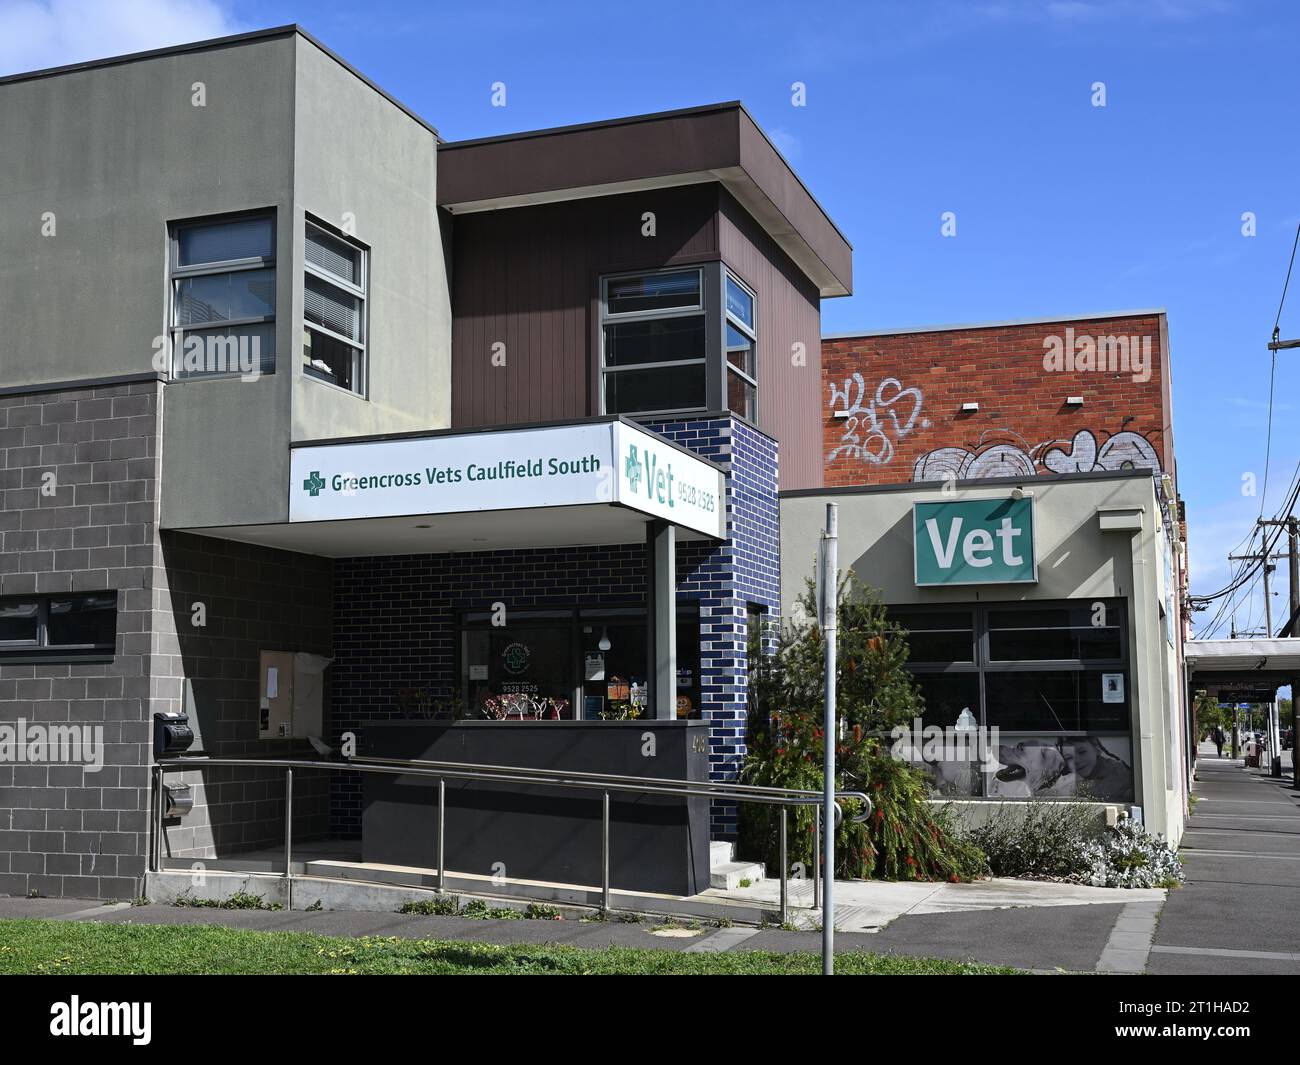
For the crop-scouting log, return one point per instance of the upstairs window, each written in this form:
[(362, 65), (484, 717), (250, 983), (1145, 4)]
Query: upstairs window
[(223, 296), (653, 342), (678, 340), (334, 310), (742, 351)]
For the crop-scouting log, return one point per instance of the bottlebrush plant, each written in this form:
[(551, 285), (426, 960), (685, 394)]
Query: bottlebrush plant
[(906, 837)]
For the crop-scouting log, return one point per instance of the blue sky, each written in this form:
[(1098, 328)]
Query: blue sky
[(914, 109)]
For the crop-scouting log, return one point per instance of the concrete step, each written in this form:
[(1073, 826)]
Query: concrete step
[(728, 875), (721, 852)]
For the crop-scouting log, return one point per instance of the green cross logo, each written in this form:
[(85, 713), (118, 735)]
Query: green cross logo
[(314, 483), (633, 467)]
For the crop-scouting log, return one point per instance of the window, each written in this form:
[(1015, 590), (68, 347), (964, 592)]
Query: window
[(223, 296), (678, 340), (567, 663), (1074, 632), (741, 349), (59, 624), (653, 342), (938, 635), (334, 310), (1052, 678)]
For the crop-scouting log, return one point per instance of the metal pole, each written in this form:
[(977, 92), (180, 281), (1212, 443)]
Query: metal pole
[(785, 869), (159, 798), (1293, 550), (288, 838), (830, 590), (442, 833), (1274, 723), (604, 855), (817, 857)]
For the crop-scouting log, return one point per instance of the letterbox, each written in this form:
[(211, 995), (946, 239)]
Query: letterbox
[(171, 734), (180, 800)]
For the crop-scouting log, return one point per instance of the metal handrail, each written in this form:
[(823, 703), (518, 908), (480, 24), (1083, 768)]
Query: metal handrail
[(441, 771)]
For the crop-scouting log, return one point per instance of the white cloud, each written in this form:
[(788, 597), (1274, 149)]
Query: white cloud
[(35, 34)]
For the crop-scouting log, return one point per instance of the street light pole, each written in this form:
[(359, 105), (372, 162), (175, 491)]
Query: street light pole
[(830, 595)]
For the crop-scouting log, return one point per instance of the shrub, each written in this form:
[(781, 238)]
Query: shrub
[(906, 838), (1128, 856), (1037, 840)]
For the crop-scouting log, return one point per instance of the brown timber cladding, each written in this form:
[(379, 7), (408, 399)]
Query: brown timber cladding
[(528, 278)]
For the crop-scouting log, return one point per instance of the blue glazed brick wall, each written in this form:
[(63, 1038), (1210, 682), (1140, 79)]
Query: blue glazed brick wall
[(745, 569), (395, 617)]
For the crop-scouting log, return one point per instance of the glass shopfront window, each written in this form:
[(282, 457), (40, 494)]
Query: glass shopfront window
[(1051, 678), (570, 663)]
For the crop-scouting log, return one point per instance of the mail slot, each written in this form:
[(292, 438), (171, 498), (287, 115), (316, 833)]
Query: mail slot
[(171, 734), (180, 800)]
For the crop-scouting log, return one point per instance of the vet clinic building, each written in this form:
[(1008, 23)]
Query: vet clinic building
[(314, 425), (1019, 513)]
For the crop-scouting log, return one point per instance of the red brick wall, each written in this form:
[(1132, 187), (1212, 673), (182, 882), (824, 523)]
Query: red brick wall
[(904, 394)]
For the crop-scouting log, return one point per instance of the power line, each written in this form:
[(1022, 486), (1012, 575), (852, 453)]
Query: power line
[(1250, 570)]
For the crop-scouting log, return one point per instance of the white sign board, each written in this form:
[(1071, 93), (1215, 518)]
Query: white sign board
[(657, 478), (602, 462)]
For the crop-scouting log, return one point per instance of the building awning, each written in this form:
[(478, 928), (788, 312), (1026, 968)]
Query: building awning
[(592, 482), (1240, 667)]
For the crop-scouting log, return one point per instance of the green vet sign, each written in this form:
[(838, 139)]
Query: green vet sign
[(975, 541)]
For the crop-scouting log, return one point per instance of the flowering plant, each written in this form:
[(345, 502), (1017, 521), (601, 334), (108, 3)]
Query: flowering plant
[(1128, 856), (906, 838)]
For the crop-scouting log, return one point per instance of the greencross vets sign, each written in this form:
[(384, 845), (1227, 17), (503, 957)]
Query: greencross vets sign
[(975, 541), (570, 465), (657, 478)]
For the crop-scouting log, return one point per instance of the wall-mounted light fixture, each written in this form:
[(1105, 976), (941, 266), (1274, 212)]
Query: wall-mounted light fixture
[(840, 414), (604, 643), (969, 408), (1074, 401)]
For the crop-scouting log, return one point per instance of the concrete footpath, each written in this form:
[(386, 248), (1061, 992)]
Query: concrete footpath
[(1238, 913), (1240, 909)]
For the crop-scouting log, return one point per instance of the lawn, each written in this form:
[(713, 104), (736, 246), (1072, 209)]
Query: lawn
[(83, 948)]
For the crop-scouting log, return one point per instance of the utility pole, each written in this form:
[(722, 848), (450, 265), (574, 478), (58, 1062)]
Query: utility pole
[(1292, 526), (1274, 723)]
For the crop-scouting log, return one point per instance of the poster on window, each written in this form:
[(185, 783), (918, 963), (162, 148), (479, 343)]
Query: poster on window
[(1092, 768)]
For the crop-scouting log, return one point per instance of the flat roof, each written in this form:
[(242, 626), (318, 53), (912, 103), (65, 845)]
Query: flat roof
[(959, 326), (714, 143), (211, 44), (653, 116)]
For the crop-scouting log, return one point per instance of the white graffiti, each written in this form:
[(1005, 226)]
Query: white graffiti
[(1123, 451), (872, 428)]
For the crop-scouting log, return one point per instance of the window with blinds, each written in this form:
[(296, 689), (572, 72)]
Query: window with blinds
[(223, 296), (334, 309)]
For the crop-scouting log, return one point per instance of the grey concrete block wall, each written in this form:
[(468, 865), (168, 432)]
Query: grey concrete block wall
[(79, 493), (68, 831), (253, 599)]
